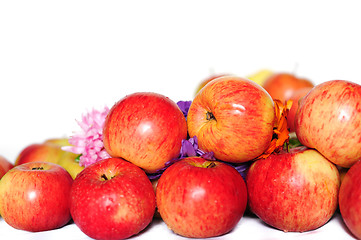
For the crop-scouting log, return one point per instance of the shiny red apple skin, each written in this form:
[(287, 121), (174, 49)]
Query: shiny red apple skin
[(35, 196), (329, 120), (112, 199), (282, 86), (232, 117), (5, 166), (293, 191), (197, 200), (146, 129), (349, 199), (295, 98)]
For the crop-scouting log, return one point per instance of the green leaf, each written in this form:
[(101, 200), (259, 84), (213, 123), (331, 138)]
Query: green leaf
[(77, 159)]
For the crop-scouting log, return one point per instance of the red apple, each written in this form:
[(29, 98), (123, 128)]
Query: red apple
[(329, 120), (349, 199), (5, 166), (281, 86), (38, 152), (146, 129), (50, 151), (295, 98), (199, 198), (233, 118), (112, 199), (35, 196), (293, 191)]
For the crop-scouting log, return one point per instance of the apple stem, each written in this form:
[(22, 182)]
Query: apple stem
[(104, 177), (210, 116), (37, 168), (211, 165)]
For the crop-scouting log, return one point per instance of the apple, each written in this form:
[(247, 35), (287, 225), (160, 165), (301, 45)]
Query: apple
[(329, 120), (112, 199), (349, 199), (58, 141), (232, 117), (295, 98), (281, 86), (199, 198), (67, 159), (35, 196), (69, 163), (50, 151), (5, 166), (39, 152), (293, 191), (146, 129)]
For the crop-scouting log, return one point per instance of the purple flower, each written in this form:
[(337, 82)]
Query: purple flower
[(184, 107), (242, 168), (189, 148)]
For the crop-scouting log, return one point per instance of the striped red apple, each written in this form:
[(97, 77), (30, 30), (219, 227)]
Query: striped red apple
[(146, 129), (35, 196), (349, 199), (198, 198), (233, 118), (282, 86), (329, 120), (293, 191), (112, 199)]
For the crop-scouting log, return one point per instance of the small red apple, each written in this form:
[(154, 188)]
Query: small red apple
[(35, 196), (146, 129), (293, 191), (349, 199), (50, 151), (5, 166), (199, 198), (296, 97), (233, 118), (112, 199), (38, 152), (329, 120), (281, 86)]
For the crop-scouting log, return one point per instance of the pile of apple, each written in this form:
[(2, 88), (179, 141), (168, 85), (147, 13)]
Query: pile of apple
[(297, 189)]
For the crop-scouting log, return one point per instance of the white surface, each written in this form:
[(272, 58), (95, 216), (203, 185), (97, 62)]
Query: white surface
[(249, 227), (59, 59)]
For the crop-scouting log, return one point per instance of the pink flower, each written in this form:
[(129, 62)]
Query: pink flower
[(89, 143)]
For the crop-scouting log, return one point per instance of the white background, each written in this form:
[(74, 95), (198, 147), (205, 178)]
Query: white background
[(59, 59)]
